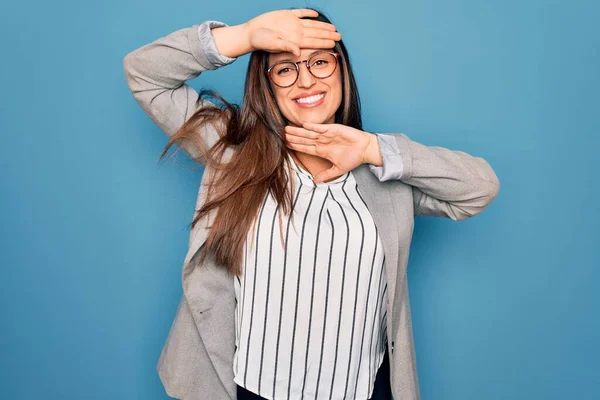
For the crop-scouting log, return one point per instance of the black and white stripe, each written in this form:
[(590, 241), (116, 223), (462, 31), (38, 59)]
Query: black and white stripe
[(310, 314)]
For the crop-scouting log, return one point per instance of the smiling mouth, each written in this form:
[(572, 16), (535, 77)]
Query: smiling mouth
[(310, 100)]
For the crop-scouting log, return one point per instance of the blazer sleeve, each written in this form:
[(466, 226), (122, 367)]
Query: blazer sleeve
[(445, 183), (156, 74)]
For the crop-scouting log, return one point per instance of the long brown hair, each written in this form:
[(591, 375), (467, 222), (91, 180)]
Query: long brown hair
[(259, 161)]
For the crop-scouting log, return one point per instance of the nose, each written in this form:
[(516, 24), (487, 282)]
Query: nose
[(305, 78)]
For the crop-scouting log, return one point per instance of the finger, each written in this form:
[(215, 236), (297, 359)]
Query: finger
[(286, 45), (305, 12), (310, 43), (299, 139), (304, 148), (297, 131), (311, 126), (327, 174), (309, 23), (321, 34)]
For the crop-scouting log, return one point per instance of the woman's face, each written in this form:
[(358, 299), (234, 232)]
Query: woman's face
[(321, 111)]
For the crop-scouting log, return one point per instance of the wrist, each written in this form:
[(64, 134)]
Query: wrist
[(232, 41), (373, 153), (246, 34)]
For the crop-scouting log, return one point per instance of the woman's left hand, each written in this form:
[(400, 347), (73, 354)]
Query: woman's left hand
[(344, 146)]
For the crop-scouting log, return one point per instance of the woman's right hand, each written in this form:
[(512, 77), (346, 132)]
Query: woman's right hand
[(284, 30)]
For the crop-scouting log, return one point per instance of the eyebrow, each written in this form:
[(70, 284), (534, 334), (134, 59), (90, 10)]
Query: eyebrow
[(309, 56)]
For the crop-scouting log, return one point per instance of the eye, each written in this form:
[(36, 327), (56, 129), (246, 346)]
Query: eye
[(284, 69), (321, 62)]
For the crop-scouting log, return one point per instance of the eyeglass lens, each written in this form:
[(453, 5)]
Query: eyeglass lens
[(321, 65)]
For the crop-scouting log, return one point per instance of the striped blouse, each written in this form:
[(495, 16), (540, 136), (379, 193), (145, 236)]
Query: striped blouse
[(311, 303)]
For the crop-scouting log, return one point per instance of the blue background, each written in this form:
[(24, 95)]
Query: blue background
[(94, 229)]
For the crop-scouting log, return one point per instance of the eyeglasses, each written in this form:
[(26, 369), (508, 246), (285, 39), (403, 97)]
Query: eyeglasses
[(285, 73)]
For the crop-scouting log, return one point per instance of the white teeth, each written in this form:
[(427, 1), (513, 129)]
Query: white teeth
[(310, 99)]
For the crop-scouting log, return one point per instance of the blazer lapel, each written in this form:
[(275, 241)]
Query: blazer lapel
[(380, 202), (209, 291)]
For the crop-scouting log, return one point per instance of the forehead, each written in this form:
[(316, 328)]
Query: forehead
[(287, 56)]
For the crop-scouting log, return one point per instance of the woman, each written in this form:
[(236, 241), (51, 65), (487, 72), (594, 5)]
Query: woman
[(295, 278)]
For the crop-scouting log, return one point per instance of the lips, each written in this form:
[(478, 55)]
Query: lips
[(311, 101), (308, 94)]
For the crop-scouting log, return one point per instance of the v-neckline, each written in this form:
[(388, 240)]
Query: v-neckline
[(307, 177)]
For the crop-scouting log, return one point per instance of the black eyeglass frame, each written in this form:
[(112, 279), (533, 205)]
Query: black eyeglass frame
[(297, 64)]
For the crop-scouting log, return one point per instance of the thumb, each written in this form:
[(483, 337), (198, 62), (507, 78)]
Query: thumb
[(286, 45), (327, 174)]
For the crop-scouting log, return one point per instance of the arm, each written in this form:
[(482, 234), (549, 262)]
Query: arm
[(446, 183), (156, 75)]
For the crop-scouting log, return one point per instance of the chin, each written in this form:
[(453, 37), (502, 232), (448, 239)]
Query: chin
[(315, 119)]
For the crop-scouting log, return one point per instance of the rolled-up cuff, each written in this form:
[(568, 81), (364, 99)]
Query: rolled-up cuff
[(207, 40), (392, 167)]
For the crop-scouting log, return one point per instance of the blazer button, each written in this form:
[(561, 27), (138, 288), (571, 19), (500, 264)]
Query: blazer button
[(392, 347)]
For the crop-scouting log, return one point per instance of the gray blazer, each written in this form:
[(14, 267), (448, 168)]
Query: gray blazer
[(196, 361)]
